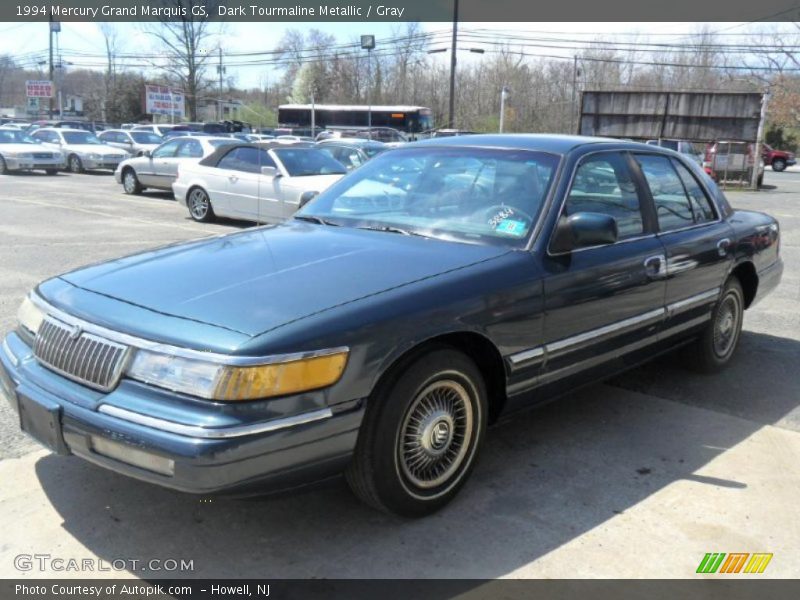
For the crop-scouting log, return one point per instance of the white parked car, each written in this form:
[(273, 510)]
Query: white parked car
[(265, 182), (19, 152), (135, 143), (81, 149), (157, 129), (159, 168)]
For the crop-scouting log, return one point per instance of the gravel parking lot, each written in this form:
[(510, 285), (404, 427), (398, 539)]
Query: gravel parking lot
[(636, 477)]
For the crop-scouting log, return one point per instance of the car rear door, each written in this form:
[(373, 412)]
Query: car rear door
[(697, 241), (238, 178), (604, 301)]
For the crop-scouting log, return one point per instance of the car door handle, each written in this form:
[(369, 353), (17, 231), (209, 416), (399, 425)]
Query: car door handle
[(722, 246), (233, 178), (656, 266)]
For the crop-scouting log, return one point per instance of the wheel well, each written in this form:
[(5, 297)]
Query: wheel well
[(128, 169), (748, 278), (482, 351)]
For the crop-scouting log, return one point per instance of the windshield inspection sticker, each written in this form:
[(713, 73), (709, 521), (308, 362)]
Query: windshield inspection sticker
[(511, 227)]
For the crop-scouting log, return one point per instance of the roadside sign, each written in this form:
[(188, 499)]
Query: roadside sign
[(163, 100), (33, 106), (39, 89)]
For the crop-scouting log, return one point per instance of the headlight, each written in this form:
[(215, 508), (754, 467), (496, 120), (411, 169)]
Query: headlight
[(26, 155), (227, 382), (93, 156), (30, 317)]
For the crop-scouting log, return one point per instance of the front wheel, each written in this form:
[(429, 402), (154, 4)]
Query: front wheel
[(51, 172), (75, 164), (3, 166), (421, 435), (716, 346), (200, 205), (778, 164), (130, 183)]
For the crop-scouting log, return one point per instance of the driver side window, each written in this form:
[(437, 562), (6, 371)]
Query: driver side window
[(166, 150), (603, 184)]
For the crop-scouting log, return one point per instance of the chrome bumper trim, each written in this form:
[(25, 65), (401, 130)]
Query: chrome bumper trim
[(218, 432)]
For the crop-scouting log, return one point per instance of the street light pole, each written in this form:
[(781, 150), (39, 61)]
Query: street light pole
[(451, 113), (574, 93), (503, 96), (368, 44)]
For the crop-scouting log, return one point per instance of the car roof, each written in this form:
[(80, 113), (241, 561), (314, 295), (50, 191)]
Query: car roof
[(544, 142), (63, 130)]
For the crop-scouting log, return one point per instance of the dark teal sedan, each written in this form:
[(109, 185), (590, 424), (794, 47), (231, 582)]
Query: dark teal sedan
[(438, 287)]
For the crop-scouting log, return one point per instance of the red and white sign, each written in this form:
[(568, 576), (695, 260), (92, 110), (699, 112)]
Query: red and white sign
[(39, 89), (163, 100)]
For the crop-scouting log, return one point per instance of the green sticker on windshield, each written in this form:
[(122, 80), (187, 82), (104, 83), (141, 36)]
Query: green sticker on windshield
[(511, 227)]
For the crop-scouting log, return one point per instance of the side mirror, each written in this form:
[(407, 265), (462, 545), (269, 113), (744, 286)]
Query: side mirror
[(307, 197), (147, 153), (585, 229), (270, 172)]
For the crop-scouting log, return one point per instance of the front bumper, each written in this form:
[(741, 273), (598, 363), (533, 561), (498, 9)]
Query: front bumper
[(93, 164), (29, 164), (252, 454)]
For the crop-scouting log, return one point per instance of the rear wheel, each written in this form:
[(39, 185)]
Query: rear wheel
[(421, 435), (716, 346), (200, 205), (778, 164), (75, 164), (130, 183), (3, 166)]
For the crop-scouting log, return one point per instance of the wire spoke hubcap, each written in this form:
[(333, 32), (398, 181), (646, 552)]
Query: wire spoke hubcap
[(436, 434), (726, 326)]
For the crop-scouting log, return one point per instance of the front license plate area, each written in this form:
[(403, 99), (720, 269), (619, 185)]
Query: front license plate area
[(42, 421)]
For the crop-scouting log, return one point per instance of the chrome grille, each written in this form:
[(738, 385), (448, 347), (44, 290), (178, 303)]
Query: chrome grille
[(111, 157), (84, 357), (42, 155)]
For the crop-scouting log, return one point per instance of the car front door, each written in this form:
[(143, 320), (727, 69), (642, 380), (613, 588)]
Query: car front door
[(162, 166), (697, 241), (605, 301)]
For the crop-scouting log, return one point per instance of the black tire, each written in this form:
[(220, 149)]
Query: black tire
[(51, 172), (130, 183), (714, 349), (437, 405), (3, 166), (199, 205), (778, 165), (74, 164)]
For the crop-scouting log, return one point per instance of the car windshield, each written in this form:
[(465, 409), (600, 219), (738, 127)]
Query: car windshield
[(373, 150), (302, 162), (13, 136), (145, 137), (80, 137), (473, 195)]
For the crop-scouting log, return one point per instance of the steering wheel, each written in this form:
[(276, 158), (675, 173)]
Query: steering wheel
[(499, 212)]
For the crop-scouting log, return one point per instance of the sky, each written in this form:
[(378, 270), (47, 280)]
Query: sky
[(24, 39)]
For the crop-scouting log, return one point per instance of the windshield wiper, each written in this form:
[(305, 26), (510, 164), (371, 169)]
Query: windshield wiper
[(316, 219), (393, 229)]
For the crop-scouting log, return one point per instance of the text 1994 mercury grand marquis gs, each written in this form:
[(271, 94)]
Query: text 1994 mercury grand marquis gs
[(377, 332)]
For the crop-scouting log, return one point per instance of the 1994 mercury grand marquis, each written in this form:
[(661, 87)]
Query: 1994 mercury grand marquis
[(377, 332)]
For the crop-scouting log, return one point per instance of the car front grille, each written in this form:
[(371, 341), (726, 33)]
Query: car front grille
[(83, 357), (111, 157), (42, 155)]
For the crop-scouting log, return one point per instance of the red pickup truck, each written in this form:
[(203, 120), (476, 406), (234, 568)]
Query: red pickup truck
[(779, 159)]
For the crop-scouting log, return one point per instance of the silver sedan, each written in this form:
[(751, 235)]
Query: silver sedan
[(159, 169)]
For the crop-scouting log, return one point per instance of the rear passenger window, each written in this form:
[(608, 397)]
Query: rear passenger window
[(672, 204), (701, 205), (603, 184)]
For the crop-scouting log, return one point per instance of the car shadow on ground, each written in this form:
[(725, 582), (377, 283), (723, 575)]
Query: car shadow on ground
[(545, 478)]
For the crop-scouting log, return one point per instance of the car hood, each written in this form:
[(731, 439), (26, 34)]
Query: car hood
[(256, 281), (94, 149)]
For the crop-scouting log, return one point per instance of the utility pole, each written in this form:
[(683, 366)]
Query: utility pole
[(313, 118), (53, 25), (221, 71), (503, 96), (451, 121), (574, 93), (759, 139), (368, 44)]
